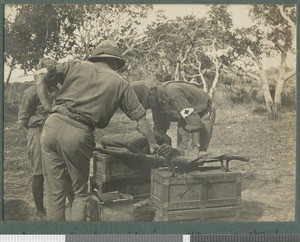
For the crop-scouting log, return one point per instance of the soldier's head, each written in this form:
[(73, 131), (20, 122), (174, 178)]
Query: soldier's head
[(145, 92), (109, 52)]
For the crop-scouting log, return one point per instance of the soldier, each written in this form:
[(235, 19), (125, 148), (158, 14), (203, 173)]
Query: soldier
[(32, 116), (180, 102), (91, 92)]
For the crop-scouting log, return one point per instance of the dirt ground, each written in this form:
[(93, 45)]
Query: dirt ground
[(268, 179)]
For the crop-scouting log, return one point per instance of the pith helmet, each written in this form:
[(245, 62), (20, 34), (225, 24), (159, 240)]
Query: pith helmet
[(108, 49)]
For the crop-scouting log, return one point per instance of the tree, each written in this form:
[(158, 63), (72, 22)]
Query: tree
[(60, 30), (27, 38), (189, 48), (273, 34), (34, 31), (118, 22)]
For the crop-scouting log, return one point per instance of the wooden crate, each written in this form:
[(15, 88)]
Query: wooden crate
[(109, 168), (135, 187), (220, 214), (110, 173), (195, 190)]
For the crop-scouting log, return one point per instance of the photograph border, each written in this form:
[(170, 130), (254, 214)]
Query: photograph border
[(20, 227)]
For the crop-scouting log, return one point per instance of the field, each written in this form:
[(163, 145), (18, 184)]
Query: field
[(268, 179)]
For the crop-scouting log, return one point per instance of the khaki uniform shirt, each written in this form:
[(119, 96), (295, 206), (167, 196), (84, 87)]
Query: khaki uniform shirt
[(95, 91), (31, 112), (179, 102)]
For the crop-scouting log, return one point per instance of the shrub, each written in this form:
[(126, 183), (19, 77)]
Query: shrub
[(260, 109)]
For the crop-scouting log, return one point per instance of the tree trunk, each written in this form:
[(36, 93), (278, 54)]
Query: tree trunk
[(203, 81), (183, 76), (268, 98), (9, 75), (280, 82), (265, 84), (215, 81), (176, 73)]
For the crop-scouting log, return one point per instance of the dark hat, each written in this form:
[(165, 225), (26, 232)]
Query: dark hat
[(108, 49)]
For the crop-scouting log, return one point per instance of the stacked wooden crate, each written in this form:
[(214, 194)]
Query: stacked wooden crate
[(204, 196), (112, 173), (122, 188)]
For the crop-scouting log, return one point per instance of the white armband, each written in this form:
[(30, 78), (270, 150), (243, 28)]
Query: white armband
[(186, 112)]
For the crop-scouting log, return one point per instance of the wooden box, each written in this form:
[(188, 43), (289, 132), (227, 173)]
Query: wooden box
[(110, 173), (195, 190), (219, 214), (116, 206), (109, 168)]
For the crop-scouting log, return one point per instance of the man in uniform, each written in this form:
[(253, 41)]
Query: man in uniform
[(180, 102), (91, 92), (32, 116)]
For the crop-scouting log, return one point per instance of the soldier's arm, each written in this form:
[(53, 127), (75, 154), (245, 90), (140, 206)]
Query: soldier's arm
[(50, 76), (135, 111), (145, 128), (160, 120), (41, 81), (26, 109), (194, 124)]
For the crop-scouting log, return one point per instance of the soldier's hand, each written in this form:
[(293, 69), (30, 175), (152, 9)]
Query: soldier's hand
[(202, 154), (167, 150), (192, 154), (153, 149)]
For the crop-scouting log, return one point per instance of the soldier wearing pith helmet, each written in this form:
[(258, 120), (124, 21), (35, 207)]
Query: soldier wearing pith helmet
[(107, 50), (90, 94)]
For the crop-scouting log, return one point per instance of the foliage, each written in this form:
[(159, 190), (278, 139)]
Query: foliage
[(61, 30), (188, 48), (274, 25), (272, 35), (202, 50), (34, 30)]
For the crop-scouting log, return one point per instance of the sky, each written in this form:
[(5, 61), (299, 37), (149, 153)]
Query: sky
[(239, 12), (239, 16)]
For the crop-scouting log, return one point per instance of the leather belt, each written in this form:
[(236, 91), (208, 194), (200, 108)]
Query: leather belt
[(75, 116)]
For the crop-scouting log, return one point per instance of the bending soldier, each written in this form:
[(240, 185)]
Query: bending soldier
[(180, 102)]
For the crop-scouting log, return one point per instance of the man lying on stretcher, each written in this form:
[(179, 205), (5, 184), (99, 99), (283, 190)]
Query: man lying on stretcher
[(136, 143)]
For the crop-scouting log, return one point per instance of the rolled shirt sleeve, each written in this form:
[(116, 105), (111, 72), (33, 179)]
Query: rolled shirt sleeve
[(131, 106)]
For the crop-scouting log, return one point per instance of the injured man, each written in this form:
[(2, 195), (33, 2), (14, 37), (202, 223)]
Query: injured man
[(137, 143)]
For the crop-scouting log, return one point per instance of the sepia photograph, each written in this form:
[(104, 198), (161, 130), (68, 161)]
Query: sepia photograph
[(149, 112)]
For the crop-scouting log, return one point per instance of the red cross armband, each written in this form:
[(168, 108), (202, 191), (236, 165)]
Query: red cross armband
[(186, 112)]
